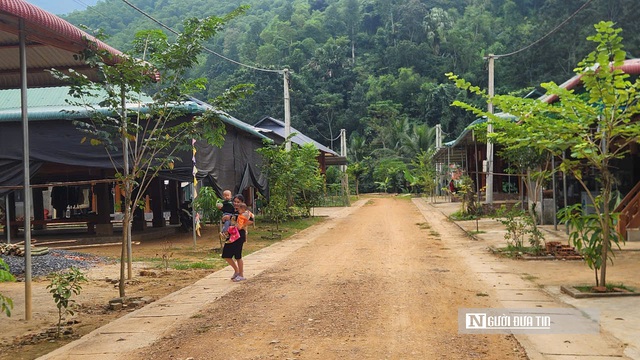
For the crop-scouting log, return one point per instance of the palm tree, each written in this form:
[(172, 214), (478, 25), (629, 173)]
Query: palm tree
[(358, 148), (420, 138)]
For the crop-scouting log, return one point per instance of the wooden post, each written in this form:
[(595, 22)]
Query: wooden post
[(157, 204), (38, 207)]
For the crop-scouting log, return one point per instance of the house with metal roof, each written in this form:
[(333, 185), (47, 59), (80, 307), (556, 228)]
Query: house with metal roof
[(275, 130), (59, 157), (467, 153)]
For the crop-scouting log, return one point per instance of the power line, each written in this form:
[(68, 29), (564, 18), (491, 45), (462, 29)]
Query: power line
[(81, 3), (547, 34), (89, 7), (206, 49)]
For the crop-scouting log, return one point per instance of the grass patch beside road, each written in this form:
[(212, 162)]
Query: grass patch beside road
[(179, 251)]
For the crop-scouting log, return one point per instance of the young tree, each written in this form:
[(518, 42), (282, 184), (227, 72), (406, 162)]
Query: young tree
[(535, 165), (294, 178), (307, 186), (355, 170), (593, 129), (424, 171), (62, 287), (146, 139)]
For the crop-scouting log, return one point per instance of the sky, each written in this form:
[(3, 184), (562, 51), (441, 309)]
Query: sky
[(60, 7)]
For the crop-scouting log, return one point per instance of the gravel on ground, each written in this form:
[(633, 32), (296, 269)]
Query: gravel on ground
[(53, 261)]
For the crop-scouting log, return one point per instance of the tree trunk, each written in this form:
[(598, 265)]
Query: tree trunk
[(125, 255), (353, 52), (531, 202), (606, 231), (122, 258), (129, 250)]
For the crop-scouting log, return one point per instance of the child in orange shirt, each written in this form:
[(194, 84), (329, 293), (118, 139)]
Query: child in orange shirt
[(244, 218)]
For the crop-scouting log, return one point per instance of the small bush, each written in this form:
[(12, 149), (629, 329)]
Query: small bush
[(520, 226)]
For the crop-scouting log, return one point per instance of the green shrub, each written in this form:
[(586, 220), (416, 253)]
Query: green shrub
[(520, 227)]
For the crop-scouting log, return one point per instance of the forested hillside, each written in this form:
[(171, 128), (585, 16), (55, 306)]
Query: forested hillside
[(376, 68)]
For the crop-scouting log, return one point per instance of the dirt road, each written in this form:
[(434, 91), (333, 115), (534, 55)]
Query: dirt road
[(378, 284)]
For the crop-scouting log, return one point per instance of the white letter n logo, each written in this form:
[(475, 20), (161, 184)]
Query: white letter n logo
[(475, 321)]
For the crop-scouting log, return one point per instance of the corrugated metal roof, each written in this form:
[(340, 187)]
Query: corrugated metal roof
[(463, 138), (51, 103), (231, 120), (51, 42), (629, 66), (40, 97), (277, 127)]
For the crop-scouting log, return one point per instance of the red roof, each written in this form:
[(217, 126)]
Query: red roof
[(631, 66), (51, 42)]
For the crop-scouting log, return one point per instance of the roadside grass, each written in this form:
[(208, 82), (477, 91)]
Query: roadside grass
[(406, 197), (514, 252), (610, 288), (203, 256), (460, 216), (194, 265)]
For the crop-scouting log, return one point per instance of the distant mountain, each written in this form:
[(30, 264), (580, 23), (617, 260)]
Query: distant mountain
[(61, 7), (374, 68)]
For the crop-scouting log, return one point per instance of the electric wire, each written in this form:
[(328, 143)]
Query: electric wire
[(88, 7), (206, 49), (81, 3), (547, 34)]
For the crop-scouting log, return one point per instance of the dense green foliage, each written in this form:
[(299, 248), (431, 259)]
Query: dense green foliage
[(375, 68), (368, 51), (294, 180)]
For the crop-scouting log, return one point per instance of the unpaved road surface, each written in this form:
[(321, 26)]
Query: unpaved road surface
[(381, 283)]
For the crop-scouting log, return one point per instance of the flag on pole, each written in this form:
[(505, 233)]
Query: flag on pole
[(195, 187)]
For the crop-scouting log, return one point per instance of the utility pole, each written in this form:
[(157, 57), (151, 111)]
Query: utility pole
[(27, 172), (343, 153), (489, 186), (287, 110)]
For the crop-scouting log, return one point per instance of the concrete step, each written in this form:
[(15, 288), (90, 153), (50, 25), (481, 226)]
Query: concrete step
[(633, 234)]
